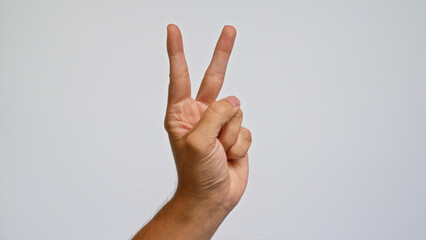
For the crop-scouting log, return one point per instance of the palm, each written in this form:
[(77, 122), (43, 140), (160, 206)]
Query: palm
[(184, 115)]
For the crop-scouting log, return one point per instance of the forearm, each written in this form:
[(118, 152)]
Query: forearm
[(183, 217)]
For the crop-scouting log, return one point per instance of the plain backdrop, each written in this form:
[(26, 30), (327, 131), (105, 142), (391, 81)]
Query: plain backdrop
[(334, 93)]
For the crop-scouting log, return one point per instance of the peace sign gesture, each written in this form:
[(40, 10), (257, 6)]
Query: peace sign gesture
[(208, 143), (209, 146)]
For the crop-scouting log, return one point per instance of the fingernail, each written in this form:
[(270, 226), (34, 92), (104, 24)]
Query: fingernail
[(233, 100)]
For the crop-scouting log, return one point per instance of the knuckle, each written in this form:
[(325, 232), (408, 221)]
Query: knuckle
[(178, 75), (246, 134), (236, 153), (217, 75), (217, 108), (239, 114)]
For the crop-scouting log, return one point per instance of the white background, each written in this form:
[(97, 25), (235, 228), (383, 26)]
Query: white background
[(334, 93)]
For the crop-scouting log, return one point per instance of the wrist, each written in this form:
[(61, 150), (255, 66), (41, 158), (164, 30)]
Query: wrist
[(204, 215), (184, 217)]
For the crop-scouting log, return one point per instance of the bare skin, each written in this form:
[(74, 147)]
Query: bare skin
[(209, 146)]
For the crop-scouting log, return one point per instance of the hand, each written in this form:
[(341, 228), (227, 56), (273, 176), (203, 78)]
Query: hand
[(209, 146), (208, 143)]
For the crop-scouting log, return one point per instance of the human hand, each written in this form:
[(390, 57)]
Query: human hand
[(208, 143), (209, 147)]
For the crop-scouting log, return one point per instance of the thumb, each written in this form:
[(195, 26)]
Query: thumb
[(216, 115)]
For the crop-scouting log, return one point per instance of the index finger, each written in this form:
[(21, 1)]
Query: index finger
[(179, 86)]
